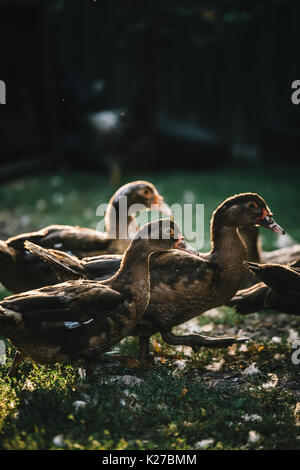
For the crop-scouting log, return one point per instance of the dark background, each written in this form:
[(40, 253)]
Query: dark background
[(185, 83)]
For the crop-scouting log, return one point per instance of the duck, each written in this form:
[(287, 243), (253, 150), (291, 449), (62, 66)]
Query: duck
[(21, 271), (80, 319), (278, 289), (285, 255), (184, 285), (251, 237)]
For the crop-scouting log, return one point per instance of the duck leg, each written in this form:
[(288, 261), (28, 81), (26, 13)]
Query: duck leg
[(144, 343), (199, 341), (15, 365)]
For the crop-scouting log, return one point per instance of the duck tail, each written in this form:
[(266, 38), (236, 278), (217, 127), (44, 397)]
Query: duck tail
[(65, 266)]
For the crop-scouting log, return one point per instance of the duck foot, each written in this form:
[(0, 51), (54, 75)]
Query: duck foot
[(15, 365), (199, 341)]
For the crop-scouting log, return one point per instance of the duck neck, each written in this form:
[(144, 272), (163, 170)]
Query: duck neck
[(119, 224), (250, 235), (229, 250), (133, 274)]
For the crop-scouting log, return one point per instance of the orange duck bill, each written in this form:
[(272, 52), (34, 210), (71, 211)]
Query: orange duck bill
[(267, 221), (181, 244)]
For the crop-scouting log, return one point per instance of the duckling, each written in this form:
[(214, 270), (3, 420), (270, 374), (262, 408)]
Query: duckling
[(280, 290), (81, 319), (184, 285), (21, 271)]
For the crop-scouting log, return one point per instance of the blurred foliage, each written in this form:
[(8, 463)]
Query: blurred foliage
[(192, 19)]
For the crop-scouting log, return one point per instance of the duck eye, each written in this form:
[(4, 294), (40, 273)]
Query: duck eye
[(169, 231), (252, 205), (146, 192)]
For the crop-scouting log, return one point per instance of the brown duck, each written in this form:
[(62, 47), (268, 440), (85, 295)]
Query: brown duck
[(280, 290), (182, 285), (80, 319), (21, 271), (284, 255), (252, 239)]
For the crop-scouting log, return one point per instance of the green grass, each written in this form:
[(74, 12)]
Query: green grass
[(180, 401)]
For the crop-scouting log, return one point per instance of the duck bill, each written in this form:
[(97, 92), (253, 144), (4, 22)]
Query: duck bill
[(181, 244), (160, 205), (270, 223)]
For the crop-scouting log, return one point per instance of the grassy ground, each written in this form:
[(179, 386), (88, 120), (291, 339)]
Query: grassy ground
[(185, 401)]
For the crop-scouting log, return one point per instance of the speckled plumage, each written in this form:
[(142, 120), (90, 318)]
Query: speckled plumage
[(280, 290), (285, 255), (79, 319), (184, 286), (22, 271)]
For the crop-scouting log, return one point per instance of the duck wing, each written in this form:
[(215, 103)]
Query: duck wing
[(177, 266), (65, 266), (102, 267), (262, 297), (73, 301), (68, 267), (283, 279), (253, 299), (76, 240)]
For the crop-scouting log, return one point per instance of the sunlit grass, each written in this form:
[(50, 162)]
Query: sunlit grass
[(172, 407)]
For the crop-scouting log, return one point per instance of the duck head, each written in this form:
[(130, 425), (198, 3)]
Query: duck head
[(145, 194), (163, 235), (247, 209)]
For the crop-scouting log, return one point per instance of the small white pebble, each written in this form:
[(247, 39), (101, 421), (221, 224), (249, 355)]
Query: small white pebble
[(214, 313), (58, 441), (127, 379), (251, 370), (215, 366), (293, 336), (204, 443), (79, 404), (272, 383), (253, 437), (253, 417), (82, 373), (276, 339), (28, 385), (180, 364), (207, 328)]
